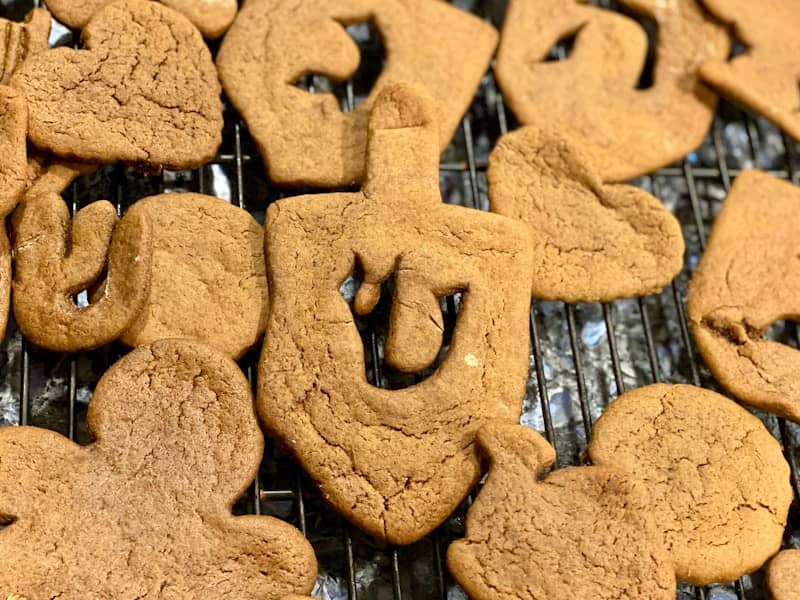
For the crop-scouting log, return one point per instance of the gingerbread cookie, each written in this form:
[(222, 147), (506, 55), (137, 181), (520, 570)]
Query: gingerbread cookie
[(55, 260), (783, 576), (143, 91), (591, 98), (581, 532), (211, 17), (208, 279), (20, 41), (765, 78), (395, 462), (305, 138), (592, 242), (718, 482), (144, 511), (748, 278)]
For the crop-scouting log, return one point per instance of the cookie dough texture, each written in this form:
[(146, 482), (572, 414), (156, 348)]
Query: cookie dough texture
[(747, 279), (783, 576), (591, 242), (718, 482), (592, 97), (144, 511), (142, 91), (57, 258), (208, 280), (764, 78), (305, 138), (211, 17), (581, 532), (394, 462)]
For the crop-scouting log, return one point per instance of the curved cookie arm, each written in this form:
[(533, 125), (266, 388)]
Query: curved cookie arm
[(783, 576), (18, 41), (48, 275), (13, 134), (515, 449), (211, 18)]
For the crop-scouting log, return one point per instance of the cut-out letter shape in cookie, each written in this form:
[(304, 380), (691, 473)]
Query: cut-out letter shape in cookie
[(394, 462), (783, 576), (56, 258), (143, 91), (581, 532), (592, 98), (717, 480), (145, 510), (592, 242), (306, 138), (208, 281), (211, 17), (747, 279), (766, 78)]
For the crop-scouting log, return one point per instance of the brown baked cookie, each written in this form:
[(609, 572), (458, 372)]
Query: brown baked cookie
[(143, 91), (305, 138), (394, 462), (211, 17), (592, 242), (208, 279), (581, 532), (749, 278), (717, 479), (783, 576), (56, 260), (592, 99), (765, 78), (145, 511), (19, 41)]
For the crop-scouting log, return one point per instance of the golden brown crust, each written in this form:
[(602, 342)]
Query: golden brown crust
[(591, 242), (591, 97), (396, 463), (747, 279), (145, 511), (304, 138), (783, 576), (718, 482)]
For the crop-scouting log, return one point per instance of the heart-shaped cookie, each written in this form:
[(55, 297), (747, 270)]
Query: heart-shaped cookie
[(143, 91), (592, 242)]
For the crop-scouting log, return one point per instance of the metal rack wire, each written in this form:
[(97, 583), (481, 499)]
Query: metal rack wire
[(356, 566)]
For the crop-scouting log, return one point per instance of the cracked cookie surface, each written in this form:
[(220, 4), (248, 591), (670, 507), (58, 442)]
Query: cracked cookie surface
[(718, 482), (592, 242), (766, 76), (142, 91), (208, 281), (580, 532), (305, 138), (592, 97), (394, 462), (749, 278), (145, 510), (783, 576)]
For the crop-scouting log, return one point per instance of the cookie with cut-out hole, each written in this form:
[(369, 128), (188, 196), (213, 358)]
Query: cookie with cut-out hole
[(211, 17), (57, 257), (580, 532), (145, 510), (592, 242), (765, 77), (592, 99), (718, 482), (394, 462), (142, 91), (208, 280), (749, 278), (306, 138), (783, 576)]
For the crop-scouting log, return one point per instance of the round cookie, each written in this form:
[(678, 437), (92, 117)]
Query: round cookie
[(208, 278), (718, 482), (581, 532), (145, 510), (783, 576)]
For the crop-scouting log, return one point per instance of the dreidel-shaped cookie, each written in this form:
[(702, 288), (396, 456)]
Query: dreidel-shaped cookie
[(145, 510), (394, 462)]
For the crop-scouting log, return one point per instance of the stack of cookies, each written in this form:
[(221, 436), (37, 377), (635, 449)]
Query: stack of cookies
[(683, 484)]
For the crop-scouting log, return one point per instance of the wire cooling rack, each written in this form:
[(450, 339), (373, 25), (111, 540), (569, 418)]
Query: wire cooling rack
[(582, 356)]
